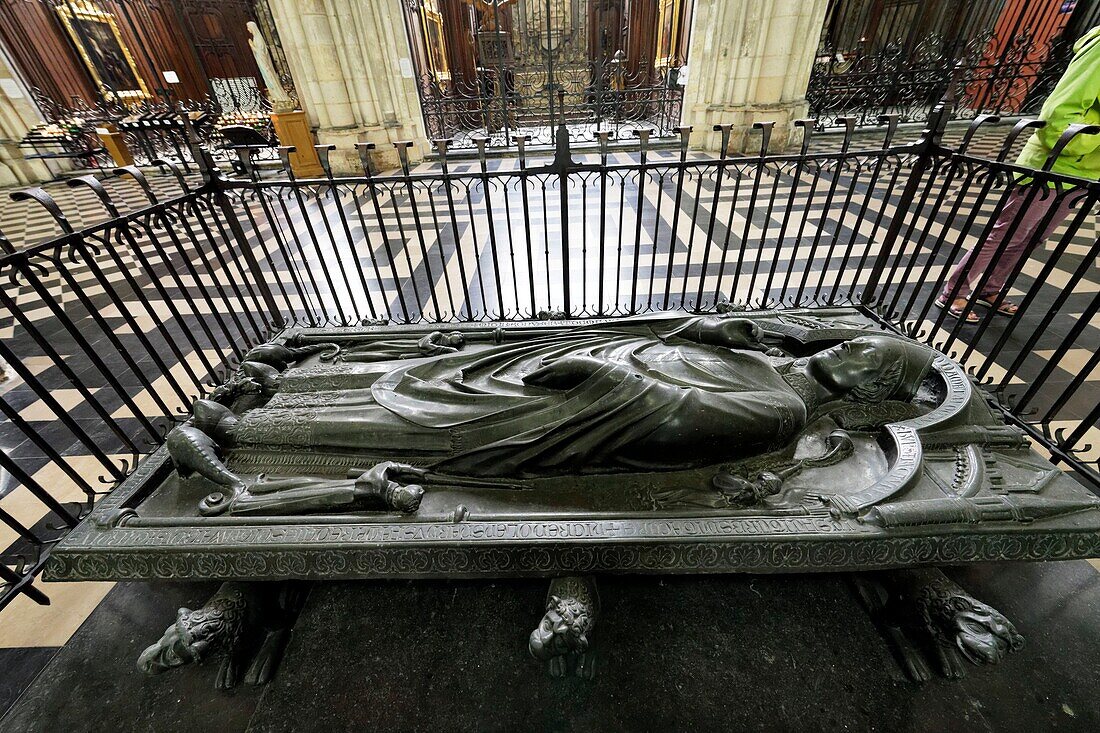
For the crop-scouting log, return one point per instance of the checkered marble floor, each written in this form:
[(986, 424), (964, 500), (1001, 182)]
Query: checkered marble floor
[(29, 631)]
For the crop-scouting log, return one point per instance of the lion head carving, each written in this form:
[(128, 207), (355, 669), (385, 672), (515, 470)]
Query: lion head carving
[(980, 632), (983, 635), (197, 635), (563, 629)]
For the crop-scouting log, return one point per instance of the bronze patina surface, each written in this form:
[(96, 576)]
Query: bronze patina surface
[(767, 441)]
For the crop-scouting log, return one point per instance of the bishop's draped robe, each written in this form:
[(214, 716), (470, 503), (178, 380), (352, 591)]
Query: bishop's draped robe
[(658, 401)]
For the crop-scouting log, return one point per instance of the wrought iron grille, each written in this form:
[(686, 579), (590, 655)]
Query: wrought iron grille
[(538, 63), (145, 311), (900, 56)]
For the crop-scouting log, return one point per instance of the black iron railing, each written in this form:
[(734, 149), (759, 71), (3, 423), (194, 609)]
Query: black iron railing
[(468, 112), (142, 313)]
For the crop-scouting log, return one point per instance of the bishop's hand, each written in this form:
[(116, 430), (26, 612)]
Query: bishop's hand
[(389, 482), (736, 333), (437, 343), (569, 371)]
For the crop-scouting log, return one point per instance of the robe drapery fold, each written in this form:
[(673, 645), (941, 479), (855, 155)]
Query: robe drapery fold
[(657, 401)]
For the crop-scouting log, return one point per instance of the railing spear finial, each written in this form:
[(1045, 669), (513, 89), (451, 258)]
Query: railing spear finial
[(97, 188), (47, 202)]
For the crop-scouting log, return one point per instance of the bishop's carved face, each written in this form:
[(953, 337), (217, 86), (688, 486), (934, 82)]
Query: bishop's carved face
[(850, 363), (873, 367)]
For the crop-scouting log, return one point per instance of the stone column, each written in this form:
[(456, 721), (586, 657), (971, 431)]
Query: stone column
[(351, 65), (749, 62), (17, 116)]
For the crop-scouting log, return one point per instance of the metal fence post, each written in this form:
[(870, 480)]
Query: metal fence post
[(214, 181), (925, 148), (562, 166)]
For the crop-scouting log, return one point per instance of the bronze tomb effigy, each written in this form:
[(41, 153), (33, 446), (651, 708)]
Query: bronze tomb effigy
[(767, 441)]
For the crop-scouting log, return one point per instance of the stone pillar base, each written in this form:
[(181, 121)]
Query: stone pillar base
[(292, 128), (750, 62), (7, 176), (345, 158), (742, 117), (15, 170)]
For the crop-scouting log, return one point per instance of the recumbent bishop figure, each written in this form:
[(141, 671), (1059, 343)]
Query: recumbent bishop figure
[(662, 393)]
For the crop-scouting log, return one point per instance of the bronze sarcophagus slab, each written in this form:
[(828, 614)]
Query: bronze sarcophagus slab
[(764, 441)]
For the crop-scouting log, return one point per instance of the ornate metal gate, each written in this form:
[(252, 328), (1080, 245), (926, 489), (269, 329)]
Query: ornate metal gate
[(498, 69), (885, 56)]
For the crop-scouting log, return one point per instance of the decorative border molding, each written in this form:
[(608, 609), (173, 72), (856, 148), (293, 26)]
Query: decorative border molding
[(756, 556)]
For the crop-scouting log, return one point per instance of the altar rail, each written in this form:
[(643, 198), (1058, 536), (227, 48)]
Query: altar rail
[(112, 330)]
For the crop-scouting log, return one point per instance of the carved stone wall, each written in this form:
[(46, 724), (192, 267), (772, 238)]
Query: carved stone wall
[(750, 62), (17, 116), (350, 61)]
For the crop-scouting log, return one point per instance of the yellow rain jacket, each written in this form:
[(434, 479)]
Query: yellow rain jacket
[(1076, 98)]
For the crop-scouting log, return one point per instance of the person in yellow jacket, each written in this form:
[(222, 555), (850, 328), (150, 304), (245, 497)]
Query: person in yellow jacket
[(1075, 99)]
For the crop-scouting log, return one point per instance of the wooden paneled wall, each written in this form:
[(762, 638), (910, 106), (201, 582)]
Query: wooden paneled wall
[(41, 49), (461, 44), (197, 39)]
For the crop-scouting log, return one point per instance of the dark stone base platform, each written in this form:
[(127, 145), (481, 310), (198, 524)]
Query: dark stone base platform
[(677, 653)]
